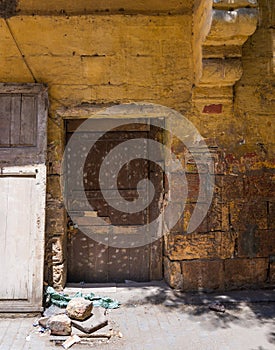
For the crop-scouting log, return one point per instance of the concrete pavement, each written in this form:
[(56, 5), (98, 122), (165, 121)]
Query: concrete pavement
[(152, 316)]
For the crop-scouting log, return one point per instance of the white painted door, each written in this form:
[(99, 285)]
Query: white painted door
[(22, 207), (23, 116), (16, 236)]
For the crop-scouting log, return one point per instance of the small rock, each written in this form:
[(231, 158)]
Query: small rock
[(218, 307), (43, 321), (53, 310), (60, 325), (79, 309)]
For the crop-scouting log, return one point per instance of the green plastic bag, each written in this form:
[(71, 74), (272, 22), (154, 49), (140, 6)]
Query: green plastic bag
[(61, 299)]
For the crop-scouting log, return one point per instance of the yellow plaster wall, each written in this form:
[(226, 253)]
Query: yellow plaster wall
[(104, 58), (103, 6)]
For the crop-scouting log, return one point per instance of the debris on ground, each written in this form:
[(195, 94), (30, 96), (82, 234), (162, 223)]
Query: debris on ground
[(218, 307), (97, 321), (68, 320), (61, 299), (71, 341), (60, 325), (42, 322), (79, 308), (53, 310)]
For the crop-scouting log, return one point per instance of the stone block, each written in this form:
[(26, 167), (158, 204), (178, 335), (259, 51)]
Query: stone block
[(272, 273), (55, 218), (59, 276), (215, 215), (97, 321), (245, 273), (200, 246), (54, 188), (271, 215), (233, 186), (60, 325), (172, 273), (245, 215), (79, 309), (261, 185), (204, 275), (59, 249), (256, 243), (202, 209)]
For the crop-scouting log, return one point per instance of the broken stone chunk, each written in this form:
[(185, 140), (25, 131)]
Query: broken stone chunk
[(43, 321), (60, 325), (79, 309)]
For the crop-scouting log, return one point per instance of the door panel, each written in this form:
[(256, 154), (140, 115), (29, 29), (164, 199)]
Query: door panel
[(89, 260)]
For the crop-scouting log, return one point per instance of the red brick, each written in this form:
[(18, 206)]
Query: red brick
[(213, 109)]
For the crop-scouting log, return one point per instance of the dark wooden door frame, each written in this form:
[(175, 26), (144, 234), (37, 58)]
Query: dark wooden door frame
[(155, 258)]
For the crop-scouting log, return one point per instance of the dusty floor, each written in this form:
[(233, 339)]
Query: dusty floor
[(153, 317)]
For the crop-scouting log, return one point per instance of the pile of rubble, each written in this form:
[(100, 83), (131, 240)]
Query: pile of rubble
[(79, 322)]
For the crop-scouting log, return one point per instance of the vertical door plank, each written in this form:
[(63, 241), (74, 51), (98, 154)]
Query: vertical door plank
[(156, 252), (5, 105), (98, 261), (118, 264), (15, 232), (28, 121), (78, 256), (139, 264), (15, 112)]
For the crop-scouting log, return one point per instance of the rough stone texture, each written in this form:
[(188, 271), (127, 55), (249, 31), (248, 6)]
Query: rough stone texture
[(256, 243), (200, 246), (58, 275), (60, 325), (43, 321), (245, 273), (152, 58), (172, 273), (202, 275), (55, 218), (220, 72), (94, 323), (79, 308)]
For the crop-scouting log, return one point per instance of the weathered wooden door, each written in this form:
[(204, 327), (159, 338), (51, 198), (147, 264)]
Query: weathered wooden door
[(89, 260), (23, 116)]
